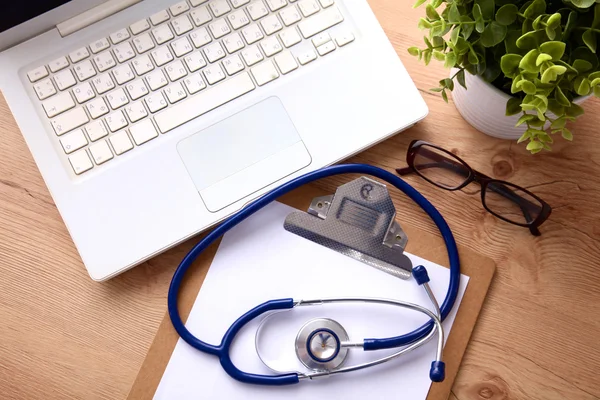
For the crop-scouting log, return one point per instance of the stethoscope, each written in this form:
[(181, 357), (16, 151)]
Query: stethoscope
[(322, 344)]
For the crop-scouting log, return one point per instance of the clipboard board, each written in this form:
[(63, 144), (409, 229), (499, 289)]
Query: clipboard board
[(479, 268)]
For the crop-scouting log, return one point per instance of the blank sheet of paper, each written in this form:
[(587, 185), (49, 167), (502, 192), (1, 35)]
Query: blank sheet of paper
[(258, 261)]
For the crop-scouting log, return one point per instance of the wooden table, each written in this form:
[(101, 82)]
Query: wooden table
[(63, 336)]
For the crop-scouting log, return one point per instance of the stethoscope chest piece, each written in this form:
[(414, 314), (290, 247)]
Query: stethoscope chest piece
[(319, 344)]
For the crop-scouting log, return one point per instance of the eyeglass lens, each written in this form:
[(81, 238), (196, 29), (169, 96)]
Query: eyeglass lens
[(439, 167), (511, 202)]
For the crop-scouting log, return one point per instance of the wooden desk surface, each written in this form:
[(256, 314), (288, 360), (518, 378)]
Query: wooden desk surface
[(63, 336)]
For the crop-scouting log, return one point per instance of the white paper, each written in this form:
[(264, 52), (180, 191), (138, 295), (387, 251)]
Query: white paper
[(259, 261)]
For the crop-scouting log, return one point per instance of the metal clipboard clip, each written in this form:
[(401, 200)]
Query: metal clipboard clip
[(358, 221)]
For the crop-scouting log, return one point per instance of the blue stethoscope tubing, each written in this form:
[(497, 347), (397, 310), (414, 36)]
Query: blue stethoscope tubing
[(222, 350)]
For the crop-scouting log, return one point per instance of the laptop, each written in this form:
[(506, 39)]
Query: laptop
[(151, 121)]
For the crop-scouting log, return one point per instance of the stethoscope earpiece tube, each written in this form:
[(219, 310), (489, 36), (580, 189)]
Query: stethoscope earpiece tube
[(222, 350)]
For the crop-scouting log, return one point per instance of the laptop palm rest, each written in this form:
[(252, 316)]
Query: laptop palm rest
[(243, 153)]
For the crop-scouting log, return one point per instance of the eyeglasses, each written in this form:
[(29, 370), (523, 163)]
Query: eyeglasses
[(505, 200)]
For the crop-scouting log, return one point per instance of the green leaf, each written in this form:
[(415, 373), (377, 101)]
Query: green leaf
[(554, 20), (427, 42), (460, 77), (561, 98), (589, 38), (582, 65), (571, 23), (418, 3), (454, 35), (493, 34), (424, 24), (525, 118), (507, 14), (537, 102), (514, 89), (596, 22), (527, 63), (473, 59), (551, 33), (583, 3), (542, 58), (413, 51), (449, 83), (438, 55), (466, 29), (536, 8), (574, 111), (427, 56), (438, 41), (537, 23), (583, 53), (437, 89), (554, 49), (594, 75), (436, 3), (510, 65), (513, 106), (552, 73), (582, 86), (444, 96), (531, 40), (526, 86), (595, 82), (567, 134), (462, 46), (453, 14), (534, 145), (479, 23), (597, 91), (526, 136), (487, 8), (559, 123), (432, 13), (450, 59)]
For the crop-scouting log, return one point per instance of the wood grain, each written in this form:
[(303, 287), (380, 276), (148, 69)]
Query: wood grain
[(63, 336)]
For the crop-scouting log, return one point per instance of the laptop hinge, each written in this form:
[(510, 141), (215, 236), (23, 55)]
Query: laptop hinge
[(93, 15)]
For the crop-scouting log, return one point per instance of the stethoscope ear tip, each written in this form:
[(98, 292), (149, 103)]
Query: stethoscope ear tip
[(437, 373)]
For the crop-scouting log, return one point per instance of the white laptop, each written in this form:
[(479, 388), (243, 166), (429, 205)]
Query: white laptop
[(153, 120)]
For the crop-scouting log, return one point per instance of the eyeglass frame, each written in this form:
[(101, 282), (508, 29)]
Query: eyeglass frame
[(482, 180)]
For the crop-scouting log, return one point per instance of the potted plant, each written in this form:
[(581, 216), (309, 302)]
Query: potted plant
[(527, 65)]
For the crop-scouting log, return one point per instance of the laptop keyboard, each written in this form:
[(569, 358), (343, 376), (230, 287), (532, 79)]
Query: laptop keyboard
[(124, 90)]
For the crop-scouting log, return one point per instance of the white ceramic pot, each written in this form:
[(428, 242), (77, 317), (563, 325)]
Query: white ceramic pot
[(483, 106)]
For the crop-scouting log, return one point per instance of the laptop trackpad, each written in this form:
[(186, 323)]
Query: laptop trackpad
[(243, 153)]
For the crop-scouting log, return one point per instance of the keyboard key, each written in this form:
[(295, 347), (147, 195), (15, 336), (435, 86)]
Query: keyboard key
[(203, 102), (195, 61), (85, 70), (306, 57), (159, 17), (79, 55), (320, 22), (320, 39), (101, 152), (239, 3), (219, 28), (233, 42), (162, 55), (44, 89), (117, 98), (326, 3), (99, 45), (116, 121), (196, 3), (233, 64), (252, 55), (80, 162), (155, 102), (36, 74), (252, 33), (58, 64), (121, 142), (271, 46), (194, 83), (326, 48), (238, 19), (182, 47), (179, 8), (143, 132), (290, 15), (176, 70), (275, 5), (143, 43), (286, 62), (103, 83), (219, 7), (139, 26), (308, 7), (214, 74), (83, 92), (64, 79), (58, 104), (137, 89), (271, 24), (200, 37), (257, 9), (96, 130), (142, 64), (136, 111), (182, 25), (175, 92), (201, 16), (290, 37), (162, 34), (156, 79), (264, 73), (69, 120), (123, 74), (214, 52), (73, 141), (104, 61), (97, 108), (124, 52), (344, 38), (121, 35)]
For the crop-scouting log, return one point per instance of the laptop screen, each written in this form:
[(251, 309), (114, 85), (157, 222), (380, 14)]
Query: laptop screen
[(19, 11)]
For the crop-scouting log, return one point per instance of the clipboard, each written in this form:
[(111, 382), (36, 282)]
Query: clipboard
[(479, 268)]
